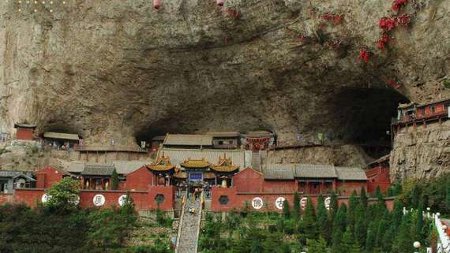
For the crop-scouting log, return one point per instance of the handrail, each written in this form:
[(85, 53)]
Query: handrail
[(445, 242), (200, 210), (180, 223)]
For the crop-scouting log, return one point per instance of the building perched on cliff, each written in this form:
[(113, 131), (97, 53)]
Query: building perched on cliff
[(421, 141)]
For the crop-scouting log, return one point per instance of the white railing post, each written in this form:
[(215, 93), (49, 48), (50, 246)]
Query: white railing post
[(443, 238), (180, 223)]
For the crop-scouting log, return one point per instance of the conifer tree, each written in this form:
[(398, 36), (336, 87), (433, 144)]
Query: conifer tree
[(296, 206), (339, 225), (114, 180), (352, 205), (349, 244), (286, 209), (363, 197), (323, 221), (397, 213), (371, 236), (415, 196), (447, 199), (333, 205), (360, 230), (340, 221), (419, 224), (309, 221), (403, 240), (316, 246)]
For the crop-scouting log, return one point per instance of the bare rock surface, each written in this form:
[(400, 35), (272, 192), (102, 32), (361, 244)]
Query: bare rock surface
[(421, 152), (121, 70)]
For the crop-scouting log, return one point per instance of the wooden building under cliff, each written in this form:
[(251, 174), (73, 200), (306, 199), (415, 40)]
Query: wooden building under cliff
[(413, 114)]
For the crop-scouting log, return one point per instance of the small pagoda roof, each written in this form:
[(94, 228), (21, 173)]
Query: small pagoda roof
[(23, 125), (445, 100), (98, 170), (188, 140), (229, 134), (351, 173), (61, 136), (192, 163), (225, 165), (180, 175), (209, 175), (407, 105), (162, 164), (258, 134), (380, 160), (16, 174)]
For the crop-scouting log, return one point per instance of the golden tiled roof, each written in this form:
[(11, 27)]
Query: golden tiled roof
[(160, 167), (162, 164), (225, 165), (191, 163), (225, 168), (209, 175), (180, 175)]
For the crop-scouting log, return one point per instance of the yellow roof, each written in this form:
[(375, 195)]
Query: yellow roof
[(209, 175), (225, 165), (229, 168), (160, 167), (161, 164), (196, 164), (180, 174)]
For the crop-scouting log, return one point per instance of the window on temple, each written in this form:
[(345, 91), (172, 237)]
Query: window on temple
[(159, 198), (223, 200)]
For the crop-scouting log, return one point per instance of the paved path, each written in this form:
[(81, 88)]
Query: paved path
[(190, 228)]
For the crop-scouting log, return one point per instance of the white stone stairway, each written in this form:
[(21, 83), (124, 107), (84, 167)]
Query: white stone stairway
[(189, 227), (256, 160)]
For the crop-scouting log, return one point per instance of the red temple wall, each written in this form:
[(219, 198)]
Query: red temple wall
[(169, 197), (346, 188), (47, 177), (143, 200), (139, 179), (248, 180), (25, 134), (30, 197), (273, 186), (6, 198), (378, 176), (238, 201)]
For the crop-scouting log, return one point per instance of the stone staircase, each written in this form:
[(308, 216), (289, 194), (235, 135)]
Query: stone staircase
[(189, 229), (256, 160)]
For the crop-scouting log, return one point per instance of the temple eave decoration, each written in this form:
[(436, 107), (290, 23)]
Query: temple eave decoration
[(225, 168), (162, 164), (196, 164)]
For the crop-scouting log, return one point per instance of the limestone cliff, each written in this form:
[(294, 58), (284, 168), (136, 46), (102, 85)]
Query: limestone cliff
[(421, 152), (120, 69)]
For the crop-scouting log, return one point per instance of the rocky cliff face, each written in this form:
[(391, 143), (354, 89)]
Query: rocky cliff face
[(120, 69), (421, 152)]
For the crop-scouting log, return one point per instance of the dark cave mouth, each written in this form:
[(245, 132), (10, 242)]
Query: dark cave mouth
[(363, 117)]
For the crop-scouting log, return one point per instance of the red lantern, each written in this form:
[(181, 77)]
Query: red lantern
[(220, 2), (156, 4)]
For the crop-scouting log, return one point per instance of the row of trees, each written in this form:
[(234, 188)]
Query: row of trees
[(356, 227), (61, 226)]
